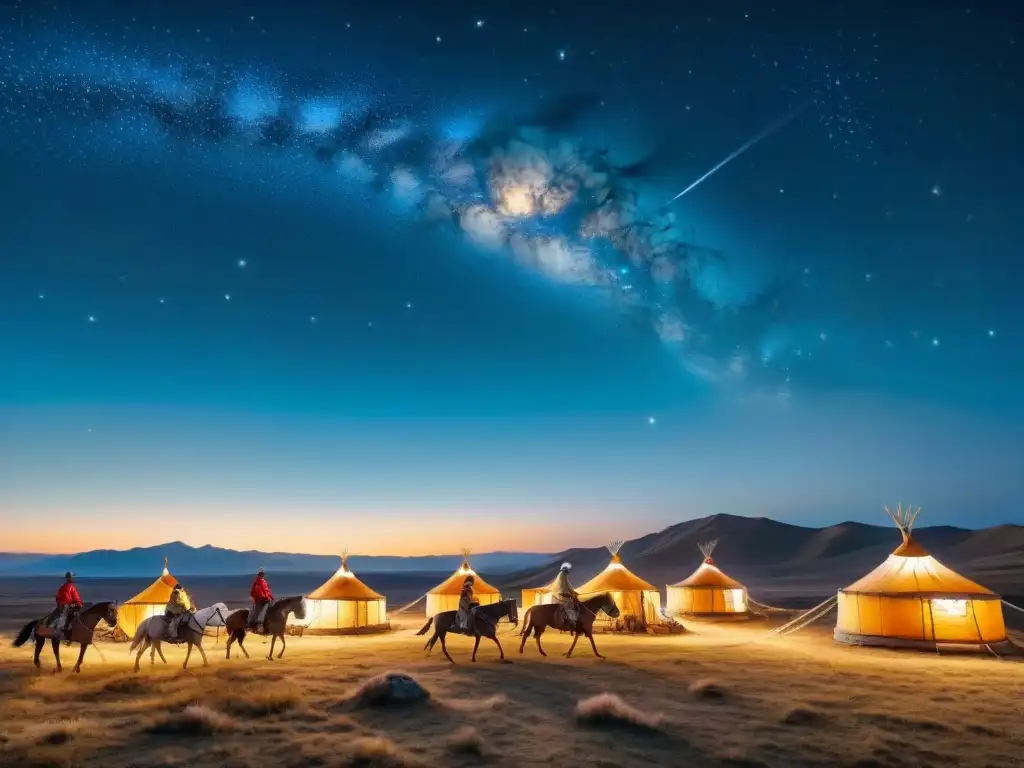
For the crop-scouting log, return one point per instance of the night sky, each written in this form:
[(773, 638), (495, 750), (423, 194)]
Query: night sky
[(408, 276)]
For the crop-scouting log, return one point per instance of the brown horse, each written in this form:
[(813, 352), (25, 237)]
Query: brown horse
[(274, 624), (540, 617), (484, 622), (81, 632)]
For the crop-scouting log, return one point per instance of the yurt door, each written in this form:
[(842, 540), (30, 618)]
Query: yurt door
[(362, 619)]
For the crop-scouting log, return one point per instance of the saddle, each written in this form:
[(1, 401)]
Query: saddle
[(257, 619), (173, 633)]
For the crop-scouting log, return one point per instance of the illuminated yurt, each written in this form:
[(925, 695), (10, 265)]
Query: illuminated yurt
[(445, 596), (539, 595), (707, 593), (634, 596), (914, 601), (149, 602), (342, 605)]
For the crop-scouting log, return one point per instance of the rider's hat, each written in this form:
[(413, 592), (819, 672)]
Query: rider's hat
[(69, 575), (566, 567), (176, 587), (260, 570), (470, 577)]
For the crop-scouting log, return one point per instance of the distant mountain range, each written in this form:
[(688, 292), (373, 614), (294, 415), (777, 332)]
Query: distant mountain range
[(770, 556), (185, 560)]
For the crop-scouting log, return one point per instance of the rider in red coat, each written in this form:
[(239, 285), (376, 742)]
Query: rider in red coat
[(69, 603), (261, 597)]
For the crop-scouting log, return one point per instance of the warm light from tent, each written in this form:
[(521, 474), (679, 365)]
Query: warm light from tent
[(739, 600), (950, 607)]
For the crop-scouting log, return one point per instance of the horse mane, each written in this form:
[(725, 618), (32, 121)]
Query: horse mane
[(492, 607), (90, 608)]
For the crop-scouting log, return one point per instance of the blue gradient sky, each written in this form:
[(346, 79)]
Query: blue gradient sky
[(447, 394)]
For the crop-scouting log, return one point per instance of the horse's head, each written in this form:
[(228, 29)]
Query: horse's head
[(110, 615), (294, 605), (513, 612), (608, 606)]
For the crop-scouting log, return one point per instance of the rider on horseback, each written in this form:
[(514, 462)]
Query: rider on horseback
[(261, 598), (467, 603), (566, 597), (176, 607), (69, 603)]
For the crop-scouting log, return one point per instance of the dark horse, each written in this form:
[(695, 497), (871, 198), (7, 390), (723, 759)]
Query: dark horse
[(484, 623), (81, 632), (540, 617), (274, 623)]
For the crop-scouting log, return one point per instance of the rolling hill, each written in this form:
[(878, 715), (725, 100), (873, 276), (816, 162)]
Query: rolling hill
[(770, 556)]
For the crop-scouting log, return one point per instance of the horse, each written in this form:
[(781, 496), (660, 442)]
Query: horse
[(81, 632), (484, 621), (540, 617), (153, 629), (274, 624)]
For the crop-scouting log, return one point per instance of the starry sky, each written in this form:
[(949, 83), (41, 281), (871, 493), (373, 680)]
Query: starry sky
[(406, 277)]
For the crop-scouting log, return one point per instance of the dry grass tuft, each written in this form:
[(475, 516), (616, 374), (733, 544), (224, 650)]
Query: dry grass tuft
[(903, 723), (607, 709), (127, 684), (707, 689), (377, 752), (194, 720), (476, 705), (390, 689), (466, 741), (803, 714), (263, 700)]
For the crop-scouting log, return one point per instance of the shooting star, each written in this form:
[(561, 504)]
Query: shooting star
[(757, 138)]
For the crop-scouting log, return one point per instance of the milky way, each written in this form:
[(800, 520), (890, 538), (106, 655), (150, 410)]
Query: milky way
[(529, 186)]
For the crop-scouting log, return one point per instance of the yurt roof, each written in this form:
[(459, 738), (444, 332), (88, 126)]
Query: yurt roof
[(158, 592), (910, 570), (343, 585), (708, 574), (615, 577), (453, 584), (546, 588)]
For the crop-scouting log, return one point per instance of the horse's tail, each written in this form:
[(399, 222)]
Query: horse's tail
[(140, 634), (426, 626), (25, 634), (526, 620)]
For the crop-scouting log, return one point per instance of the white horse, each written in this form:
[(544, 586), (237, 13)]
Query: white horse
[(152, 631)]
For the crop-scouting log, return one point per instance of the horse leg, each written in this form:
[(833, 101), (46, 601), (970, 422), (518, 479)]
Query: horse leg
[(537, 632), (231, 639), (202, 653), (526, 634), (282, 648), (429, 647), (501, 651), (273, 640), (158, 646), (445, 649), (475, 646), (81, 655), (590, 637), (55, 644), (188, 654), (241, 644), (40, 642), (138, 656), (575, 639)]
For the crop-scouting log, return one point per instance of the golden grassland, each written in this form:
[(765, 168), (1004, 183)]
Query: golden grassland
[(717, 696)]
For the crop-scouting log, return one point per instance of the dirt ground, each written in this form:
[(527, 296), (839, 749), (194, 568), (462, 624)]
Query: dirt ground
[(719, 695)]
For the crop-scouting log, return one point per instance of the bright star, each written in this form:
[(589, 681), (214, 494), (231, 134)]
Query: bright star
[(935, 342), (227, 297), (823, 336), (868, 277), (937, 190), (408, 305), (438, 38), (650, 420), (479, 23), (242, 263), (92, 318), (312, 319), (42, 296), (991, 332), (161, 301), (561, 55)]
